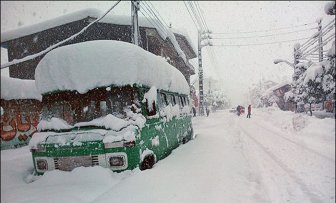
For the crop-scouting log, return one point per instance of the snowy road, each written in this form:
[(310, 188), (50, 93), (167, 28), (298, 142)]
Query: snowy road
[(233, 159), (291, 171)]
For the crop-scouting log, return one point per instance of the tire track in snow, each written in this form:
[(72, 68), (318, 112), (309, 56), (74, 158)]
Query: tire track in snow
[(298, 144), (304, 188)]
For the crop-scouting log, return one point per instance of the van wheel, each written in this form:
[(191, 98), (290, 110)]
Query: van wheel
[(147, 163)]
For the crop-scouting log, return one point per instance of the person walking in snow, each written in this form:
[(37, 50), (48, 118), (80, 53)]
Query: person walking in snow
[(207, 111), (194, 111), (248, 111), (238, 110)]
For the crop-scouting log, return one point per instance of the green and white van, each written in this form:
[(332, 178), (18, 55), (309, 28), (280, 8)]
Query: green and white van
[(111, 104)]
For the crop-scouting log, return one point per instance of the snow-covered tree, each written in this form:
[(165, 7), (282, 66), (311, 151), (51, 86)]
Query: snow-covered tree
[(313, 82), (257, 93), (217, 100)]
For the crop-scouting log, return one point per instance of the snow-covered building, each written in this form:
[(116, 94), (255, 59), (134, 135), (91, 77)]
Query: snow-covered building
[(20, 111), (276, 94), (176, 48)]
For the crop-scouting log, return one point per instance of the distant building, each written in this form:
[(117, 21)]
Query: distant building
[(276, 94), (20, 111), (176, 48)]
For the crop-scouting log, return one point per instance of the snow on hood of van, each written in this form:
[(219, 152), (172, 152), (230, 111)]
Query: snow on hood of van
[(14, 88), (111, 122), (53, 124), (87, 65), (120, 129), (65, 138)]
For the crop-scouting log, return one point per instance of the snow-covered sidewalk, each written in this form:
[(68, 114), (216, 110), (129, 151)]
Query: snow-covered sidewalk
[(273, 157)]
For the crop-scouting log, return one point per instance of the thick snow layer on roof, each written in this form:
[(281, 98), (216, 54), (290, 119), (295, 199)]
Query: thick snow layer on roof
[(270, 90), (14, 88), (92, 64), (94, 13), (185, 34)]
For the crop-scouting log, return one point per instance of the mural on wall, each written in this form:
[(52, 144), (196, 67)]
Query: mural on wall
[(17, 127)]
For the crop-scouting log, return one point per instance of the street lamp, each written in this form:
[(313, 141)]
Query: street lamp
[(202, 36), (276, 61)]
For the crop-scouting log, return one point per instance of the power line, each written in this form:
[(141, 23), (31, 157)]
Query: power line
[(330, 23), (201, 14), (165, 30), (239, 45), (152, 6), (30, 57), (324, 30), (281, 28), (185, 4), (245, 37), (150, 19), (326, 41), (153, 13), (196, 16), (310, 40), (308, 47)]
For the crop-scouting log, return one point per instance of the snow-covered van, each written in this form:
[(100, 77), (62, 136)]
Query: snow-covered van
[(108, 103)]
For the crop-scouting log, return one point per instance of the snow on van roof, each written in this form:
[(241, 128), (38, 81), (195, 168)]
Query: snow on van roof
[(95, 13), (87, 65), (14, 88)]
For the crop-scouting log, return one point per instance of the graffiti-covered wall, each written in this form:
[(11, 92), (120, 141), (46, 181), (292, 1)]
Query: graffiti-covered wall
[(19, 119)]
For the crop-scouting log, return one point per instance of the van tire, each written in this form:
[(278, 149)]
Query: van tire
[(147, 163)]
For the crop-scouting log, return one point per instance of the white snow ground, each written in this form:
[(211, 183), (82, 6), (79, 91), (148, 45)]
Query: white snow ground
[(275, 156)]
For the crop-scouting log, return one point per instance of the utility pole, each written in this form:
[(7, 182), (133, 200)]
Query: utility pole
[(320, 40), (200, 75), (135, 6), (297, 54), (201, 36)]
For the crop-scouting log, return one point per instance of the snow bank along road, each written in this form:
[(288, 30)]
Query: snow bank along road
[(233, 159)]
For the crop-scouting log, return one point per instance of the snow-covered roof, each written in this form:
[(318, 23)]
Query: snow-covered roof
[(14, 88), (186, 35), (94, 13), (87, 65), (270, 90)]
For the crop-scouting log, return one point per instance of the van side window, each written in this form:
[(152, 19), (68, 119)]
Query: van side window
[(181, 100), (186, 100), (178, 101), (163, 100), (172, 100)]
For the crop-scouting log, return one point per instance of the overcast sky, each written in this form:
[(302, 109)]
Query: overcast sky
[(237, 68)]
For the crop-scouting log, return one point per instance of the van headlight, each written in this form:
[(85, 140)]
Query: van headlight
[(117, 161), (41, 164)]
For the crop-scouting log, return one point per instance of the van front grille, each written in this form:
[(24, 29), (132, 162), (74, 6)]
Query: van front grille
[(95, 161), (69, 163)]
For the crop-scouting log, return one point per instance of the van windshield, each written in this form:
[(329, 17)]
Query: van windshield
[(74, 107)]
